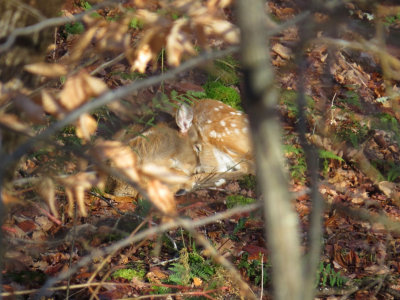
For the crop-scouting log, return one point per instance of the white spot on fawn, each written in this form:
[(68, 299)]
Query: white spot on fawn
[(237, 131), (216, 108), (245, 130), (220, 182), (213, 134), (224, 161), (209, 121), (222, 123), (233, 125)]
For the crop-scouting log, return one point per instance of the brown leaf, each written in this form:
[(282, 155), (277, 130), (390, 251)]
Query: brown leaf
[(27, 225), (85, 127), (46, 190), (120, 155), (282, 51), (51, 105), (80, 88), (197, 282), (13, 122), (178, 43), (162, 197), (46, 69)]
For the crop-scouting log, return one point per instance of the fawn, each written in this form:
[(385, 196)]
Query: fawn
[(161, 146), (219, 134), (211, 146)]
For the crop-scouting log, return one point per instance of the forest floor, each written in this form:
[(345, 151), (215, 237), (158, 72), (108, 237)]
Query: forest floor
[(349, 120)]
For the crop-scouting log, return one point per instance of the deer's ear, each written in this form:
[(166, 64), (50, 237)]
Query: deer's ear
[(184, 117)]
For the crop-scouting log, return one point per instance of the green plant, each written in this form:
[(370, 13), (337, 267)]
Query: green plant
[(298, 168), (238, 227), (74, 28), (387, 122), (390, 20), (289, 99), (188, 97), (328, 276), (143, 207), (85, 4), (352, 131), (248, 182), (129, 274), (253, 268), (351, 98), (394, 172), (228, 95), (225, 71), (191, 265), (135, 23), (327, 156), (235, 200)]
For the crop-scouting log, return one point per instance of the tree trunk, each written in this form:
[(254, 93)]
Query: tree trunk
[(261, 98)]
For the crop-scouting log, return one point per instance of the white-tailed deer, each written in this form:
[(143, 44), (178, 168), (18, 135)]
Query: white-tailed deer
[(220, 136), (211, 146), (160, 146)]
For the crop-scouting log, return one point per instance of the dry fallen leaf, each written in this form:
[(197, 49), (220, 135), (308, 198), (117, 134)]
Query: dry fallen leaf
[(197, 282), (14, 123), (46, 69)]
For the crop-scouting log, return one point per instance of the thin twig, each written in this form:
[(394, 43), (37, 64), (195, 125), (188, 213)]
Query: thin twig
[(108, 64)]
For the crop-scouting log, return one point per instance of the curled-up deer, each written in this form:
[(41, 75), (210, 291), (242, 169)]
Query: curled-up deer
[(219, 134), (211, 146), (163, 149)]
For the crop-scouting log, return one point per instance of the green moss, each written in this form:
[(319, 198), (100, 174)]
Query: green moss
[(235, 200), (248, 182), (228, 95), (129, 274), (136, 24), (74, 28)]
